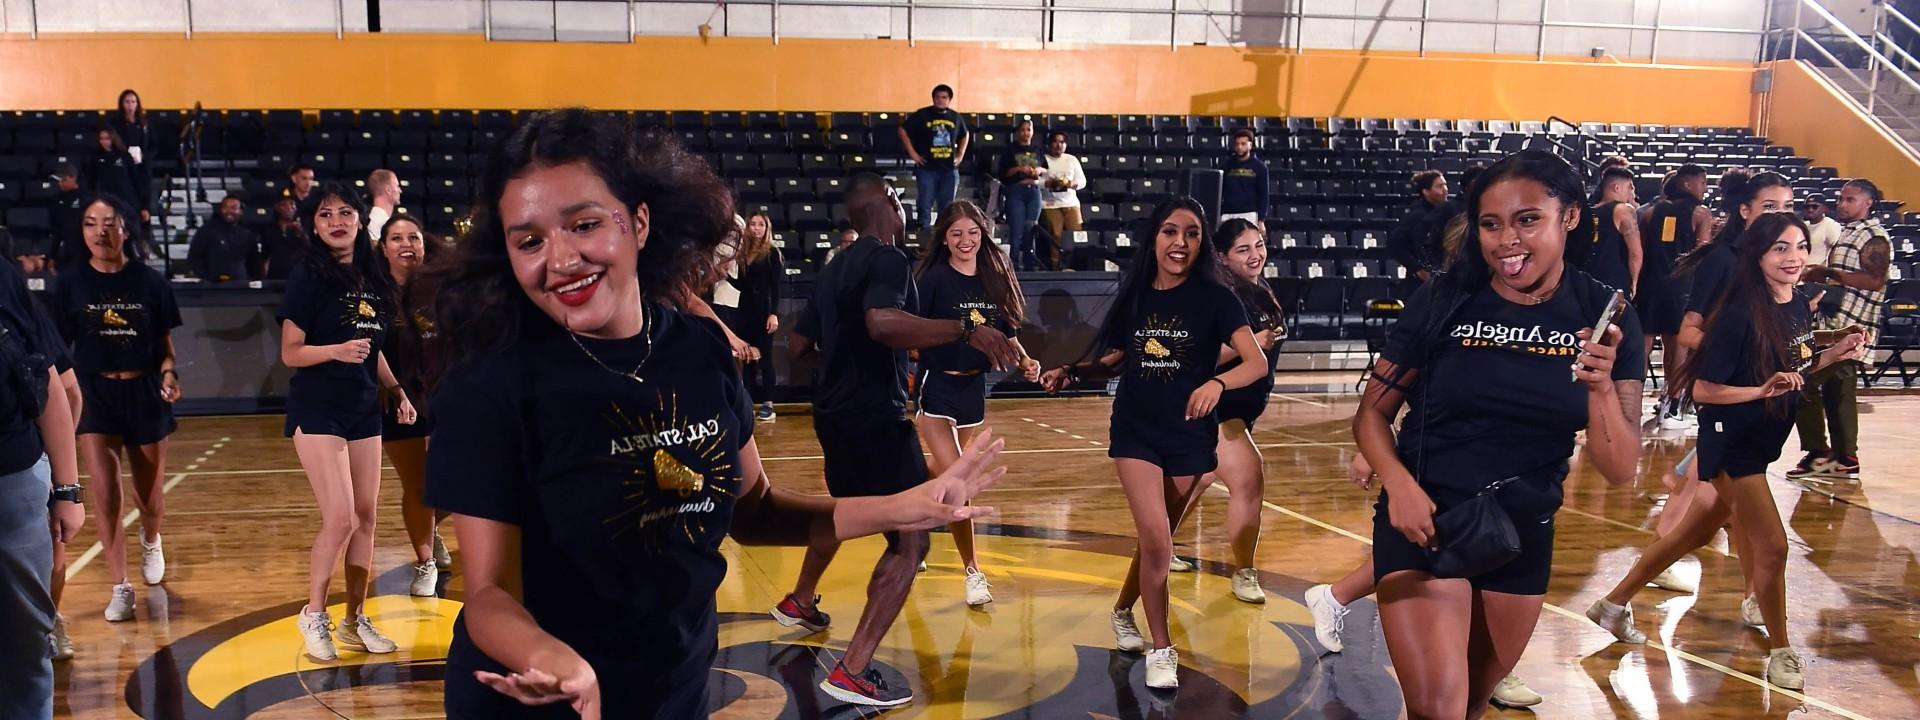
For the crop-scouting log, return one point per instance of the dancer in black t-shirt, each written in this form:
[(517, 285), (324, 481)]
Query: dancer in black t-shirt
[(118, 316), (1163, 338), (1242, 248), (407, 246), (594, 444), (1481, 359), (1757, 352), (333, 318), (965, 277)]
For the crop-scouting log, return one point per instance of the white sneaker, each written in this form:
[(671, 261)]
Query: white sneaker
[(120, 608), (441, 558), (1246, 586), (426, 579), (361, 634), (1674, 422), (1329, 617), (1515, 694), (922, 567), (1750, 612), (977, 592), (1178, 565), (153, 562), (316, 629), (1126, 635), (1616, 619), (57, 641), (1786, 669), (1163, 669), (1670, 580)]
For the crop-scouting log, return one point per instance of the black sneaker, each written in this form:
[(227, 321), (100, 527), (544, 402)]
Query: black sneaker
[(1810, 464)]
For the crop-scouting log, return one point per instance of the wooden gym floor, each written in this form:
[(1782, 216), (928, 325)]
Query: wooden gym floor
[(217, 639)]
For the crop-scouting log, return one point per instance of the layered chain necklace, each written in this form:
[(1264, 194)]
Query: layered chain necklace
[(646, 331)]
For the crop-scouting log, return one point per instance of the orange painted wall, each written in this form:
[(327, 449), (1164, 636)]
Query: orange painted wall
[(285, 70), (1819, 122)]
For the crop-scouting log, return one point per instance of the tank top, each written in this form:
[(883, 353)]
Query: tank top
[(1608, 259), (1669, 229)]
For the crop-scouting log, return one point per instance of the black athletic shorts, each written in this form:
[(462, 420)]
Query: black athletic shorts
[(1740, 440), (391, 429), (351, 412), (1124, 442), (1241, 405), (961, 399), (870, 453), (1662, 304), (127, 409), (1530, 502)]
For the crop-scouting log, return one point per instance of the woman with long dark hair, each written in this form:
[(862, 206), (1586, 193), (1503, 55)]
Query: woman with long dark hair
[(761, 272), (334, 318), (129, 119), (113, 171), (1242, 248), (1755, 355), (406, 247), (118, 316), (964, 275), (1481, 360), (1744, 197), (1163, 337), (594, 443)]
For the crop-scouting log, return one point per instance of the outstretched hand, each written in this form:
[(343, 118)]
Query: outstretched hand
[(945, 499), (581, 689)]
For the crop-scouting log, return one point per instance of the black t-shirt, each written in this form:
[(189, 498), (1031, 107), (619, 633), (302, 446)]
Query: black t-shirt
[(1017, 155), (405, 344), (284, 249), (1495, 396), (1172, 344), (622, 492), (946, 294), (936, 135), (858, 374), (1710, 276), (1726, 352), (331, 314), (68, 214), (1261, 315), (115, 321), (20, 444)]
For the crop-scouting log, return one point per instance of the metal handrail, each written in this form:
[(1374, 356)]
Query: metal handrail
[(1902, 54), (1890, 11), (1815, 44), (1848, 33)]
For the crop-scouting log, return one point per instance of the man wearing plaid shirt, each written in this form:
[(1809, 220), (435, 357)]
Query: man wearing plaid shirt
[(1856, 267)]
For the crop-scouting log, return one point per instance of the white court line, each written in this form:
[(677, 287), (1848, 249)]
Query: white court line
[(1556, 609), (1291, 398)]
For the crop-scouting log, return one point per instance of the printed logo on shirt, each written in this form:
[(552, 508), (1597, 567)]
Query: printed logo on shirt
[(675, 464), (980, 311), (1800, 351), (941, 138), (117, 319), (423, 326), (1531, 340), (362, 313), (1161, 346), (1242, 173)]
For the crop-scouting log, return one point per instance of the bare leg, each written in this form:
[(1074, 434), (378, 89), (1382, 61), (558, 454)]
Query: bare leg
[(102, 455), (324, 458), (1241, 472), (1178, 508), (886, 593), (1766, 540), (943, 441), (1502, 625), (1428, 624), (148, 466), (1153, 497), (1696, 529), (410, 463), (363, 463), (1355, 585)]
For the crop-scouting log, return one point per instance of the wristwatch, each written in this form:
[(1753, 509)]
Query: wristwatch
[(967, 327), (70, 493)]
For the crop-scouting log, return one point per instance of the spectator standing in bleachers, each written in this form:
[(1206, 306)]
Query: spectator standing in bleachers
[(68, 206), (1829, 415), (759, 276), (1060, 202), (112, 171), (300, 179), (1615, 258), (383, 190), (1021, 170), (284, 240), (223, 250), (1824, 231), (936, 140), (1244, 192), (1417, 243), (129, 119)]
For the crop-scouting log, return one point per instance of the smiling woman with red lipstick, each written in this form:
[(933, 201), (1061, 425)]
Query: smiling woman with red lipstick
[(1480, 359), (406, 246), (1163, 337), (332, 321), (594, 444), (1753, 359)]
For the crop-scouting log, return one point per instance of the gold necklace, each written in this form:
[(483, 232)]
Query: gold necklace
[(645, 331)]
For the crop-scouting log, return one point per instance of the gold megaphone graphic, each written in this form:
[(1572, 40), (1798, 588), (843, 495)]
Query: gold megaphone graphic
[(976, 317), (670, 474), (112, 319), (366, 310), (1155, 349)]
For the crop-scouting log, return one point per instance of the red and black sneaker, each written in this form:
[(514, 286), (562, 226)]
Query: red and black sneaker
[(867, 688), (790, 613), (1810, 464), (1843, 466)]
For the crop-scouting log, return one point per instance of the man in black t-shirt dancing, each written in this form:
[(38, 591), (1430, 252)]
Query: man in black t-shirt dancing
[(859, 322)]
